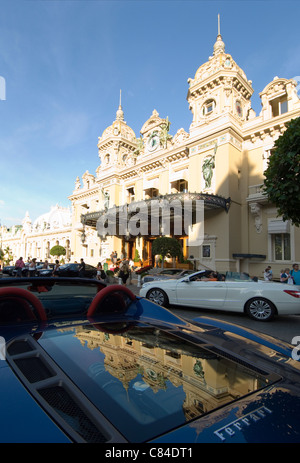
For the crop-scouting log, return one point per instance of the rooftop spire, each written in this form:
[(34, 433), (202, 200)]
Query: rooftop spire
[(120, 113), (219, 46)]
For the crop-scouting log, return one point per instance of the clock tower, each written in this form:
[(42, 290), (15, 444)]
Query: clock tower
[(155, 133), (219, 87)]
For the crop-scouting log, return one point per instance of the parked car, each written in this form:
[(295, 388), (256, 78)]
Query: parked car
[(234, 292), (24, 270), (71, 270), (39, 267), (168, 273), (8, 270), (81, 362)]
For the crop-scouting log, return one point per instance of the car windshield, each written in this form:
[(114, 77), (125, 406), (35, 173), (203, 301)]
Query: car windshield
[(146, 381), (60, 297), (207, 275), (170, 272), (236, 276)]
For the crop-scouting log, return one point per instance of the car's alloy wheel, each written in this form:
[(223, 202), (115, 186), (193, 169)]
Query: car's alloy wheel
[(157, 296), (260, 309)]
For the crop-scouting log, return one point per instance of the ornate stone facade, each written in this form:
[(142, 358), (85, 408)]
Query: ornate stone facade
[(36, 239), (221, 159), (223, 156)]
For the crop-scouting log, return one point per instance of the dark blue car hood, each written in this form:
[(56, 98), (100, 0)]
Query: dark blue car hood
[(271, 416), (122, 372)]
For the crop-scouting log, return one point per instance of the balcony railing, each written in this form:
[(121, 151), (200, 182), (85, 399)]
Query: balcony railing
[(256, 193)]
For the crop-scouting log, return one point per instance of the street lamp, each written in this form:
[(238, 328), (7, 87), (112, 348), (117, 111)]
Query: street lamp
[(83, 237)]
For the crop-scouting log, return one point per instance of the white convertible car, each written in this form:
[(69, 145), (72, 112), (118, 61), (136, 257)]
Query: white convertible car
[(234, 292)]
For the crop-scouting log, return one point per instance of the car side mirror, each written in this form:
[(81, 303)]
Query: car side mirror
[(187, 280)]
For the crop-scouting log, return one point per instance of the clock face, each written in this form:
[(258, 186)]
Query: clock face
[(153, 141)]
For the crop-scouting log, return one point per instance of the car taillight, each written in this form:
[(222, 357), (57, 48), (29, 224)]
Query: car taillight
[(292, 292)]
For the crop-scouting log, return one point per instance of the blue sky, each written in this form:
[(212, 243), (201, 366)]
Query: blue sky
[(64, 63)]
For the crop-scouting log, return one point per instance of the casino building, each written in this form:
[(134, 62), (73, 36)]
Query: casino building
[(220, 161), (35, 239)]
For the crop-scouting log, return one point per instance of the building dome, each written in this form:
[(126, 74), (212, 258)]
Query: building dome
[(119, 128), (219, 62), (57, 218)]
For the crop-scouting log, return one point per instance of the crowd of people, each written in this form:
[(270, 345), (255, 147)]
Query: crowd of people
[(123, 268), (31, 266), (290, 277)]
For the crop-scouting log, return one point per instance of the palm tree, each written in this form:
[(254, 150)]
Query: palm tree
[(7, 255)]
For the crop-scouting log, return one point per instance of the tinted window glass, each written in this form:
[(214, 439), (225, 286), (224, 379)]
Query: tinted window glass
[(146, 381)]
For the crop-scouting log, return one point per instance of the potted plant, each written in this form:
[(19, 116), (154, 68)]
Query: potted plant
[(57, 251), (166, 247), (137, 260), (184, 263)]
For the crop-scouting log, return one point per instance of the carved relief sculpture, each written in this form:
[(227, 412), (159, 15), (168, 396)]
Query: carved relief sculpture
[(208, 167), (164, 136)]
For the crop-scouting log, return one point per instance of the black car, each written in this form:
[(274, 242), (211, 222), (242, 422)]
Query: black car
[(71, 270), (40, 268), (8, 270)]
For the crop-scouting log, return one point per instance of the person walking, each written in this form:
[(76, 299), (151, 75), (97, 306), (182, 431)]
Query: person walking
[(32, 267), (82, 269), (19, 265), (131, 269), (268, 275), (295, 273), (285, 277), (100, 272), (124, 272), (46, 265), (55, 270)]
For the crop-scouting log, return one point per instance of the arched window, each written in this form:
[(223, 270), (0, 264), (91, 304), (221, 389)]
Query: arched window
[(208, 107)]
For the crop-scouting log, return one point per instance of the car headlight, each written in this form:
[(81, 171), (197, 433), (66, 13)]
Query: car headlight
[(145, 284)]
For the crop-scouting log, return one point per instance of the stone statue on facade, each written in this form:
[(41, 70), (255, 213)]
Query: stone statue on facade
[(140, 146), (208, 167), (106, 199), (77, 184), (164, 135)]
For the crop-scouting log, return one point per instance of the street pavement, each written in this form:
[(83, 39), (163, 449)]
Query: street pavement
[(133, 286), (284, 327)]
